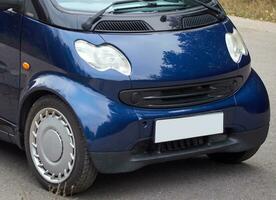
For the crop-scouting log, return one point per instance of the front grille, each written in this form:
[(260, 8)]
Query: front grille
[(198, 21), (148, 147), (182, 96), (179, 145), (123, 26)]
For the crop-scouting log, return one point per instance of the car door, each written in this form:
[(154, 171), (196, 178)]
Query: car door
[(10, 27)]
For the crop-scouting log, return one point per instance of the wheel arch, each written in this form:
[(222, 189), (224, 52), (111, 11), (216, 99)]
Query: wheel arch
[(26, 105), (92, 110)]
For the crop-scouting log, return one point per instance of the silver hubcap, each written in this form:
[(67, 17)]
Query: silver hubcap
[(52, 145)]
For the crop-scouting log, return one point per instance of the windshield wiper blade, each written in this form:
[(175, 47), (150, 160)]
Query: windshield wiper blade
[(92, 20), (219, 13), (122, 10)]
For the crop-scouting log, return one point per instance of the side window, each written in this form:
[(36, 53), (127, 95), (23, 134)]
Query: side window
[(30, 10), (36, 9)]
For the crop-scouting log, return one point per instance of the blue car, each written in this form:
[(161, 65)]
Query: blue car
[(96, 86)]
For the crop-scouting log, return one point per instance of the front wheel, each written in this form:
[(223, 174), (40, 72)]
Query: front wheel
[(56, 148), (233, 158)]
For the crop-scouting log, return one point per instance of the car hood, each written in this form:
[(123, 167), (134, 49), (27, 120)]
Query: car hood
[(169, 58)]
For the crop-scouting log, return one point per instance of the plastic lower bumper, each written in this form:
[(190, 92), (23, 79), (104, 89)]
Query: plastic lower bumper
[(118, 162)]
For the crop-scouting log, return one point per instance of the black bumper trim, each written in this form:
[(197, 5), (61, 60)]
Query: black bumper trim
[(120, 162)]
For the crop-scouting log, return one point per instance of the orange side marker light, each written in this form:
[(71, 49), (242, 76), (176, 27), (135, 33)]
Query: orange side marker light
[(26, 66)]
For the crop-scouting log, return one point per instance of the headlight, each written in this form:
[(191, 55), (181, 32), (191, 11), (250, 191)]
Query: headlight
[(236, 46), (103, 57)]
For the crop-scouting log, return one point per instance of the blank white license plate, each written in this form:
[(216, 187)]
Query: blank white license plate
[(189, 127)]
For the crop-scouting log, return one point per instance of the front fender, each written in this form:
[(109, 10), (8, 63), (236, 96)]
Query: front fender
[(93, 110)]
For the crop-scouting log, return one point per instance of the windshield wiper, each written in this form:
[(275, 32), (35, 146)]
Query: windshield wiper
[(92, 20), (122, 10), (219, 13)]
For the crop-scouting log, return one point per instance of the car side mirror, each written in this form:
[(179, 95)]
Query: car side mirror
[(7, 4)]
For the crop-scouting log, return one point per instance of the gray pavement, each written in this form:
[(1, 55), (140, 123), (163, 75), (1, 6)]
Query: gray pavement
[(198, 178)]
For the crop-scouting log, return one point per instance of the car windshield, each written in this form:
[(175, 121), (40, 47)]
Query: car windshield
[(139, 6)]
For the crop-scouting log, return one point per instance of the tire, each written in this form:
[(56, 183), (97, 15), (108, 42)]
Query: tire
[(57, 154), (233, 158)]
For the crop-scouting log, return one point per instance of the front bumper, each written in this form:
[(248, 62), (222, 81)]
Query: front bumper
[(114, 135), (119, 162)]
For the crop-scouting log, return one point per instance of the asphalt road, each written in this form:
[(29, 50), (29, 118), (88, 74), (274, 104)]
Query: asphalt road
[(197, 178)]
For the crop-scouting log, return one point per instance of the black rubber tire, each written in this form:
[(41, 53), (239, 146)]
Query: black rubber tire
[(233, 158), (84, 173)]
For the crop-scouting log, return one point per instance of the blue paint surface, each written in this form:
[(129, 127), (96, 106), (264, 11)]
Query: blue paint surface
[(157, 59)]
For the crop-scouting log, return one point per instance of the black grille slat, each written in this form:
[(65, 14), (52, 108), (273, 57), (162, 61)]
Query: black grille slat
[(149, 148), (198, 21), (189, 102), (192, 94), (181, 96), (178, 145), (123, 26)]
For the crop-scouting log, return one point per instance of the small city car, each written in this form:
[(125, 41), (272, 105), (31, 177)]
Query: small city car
[(90, 86)]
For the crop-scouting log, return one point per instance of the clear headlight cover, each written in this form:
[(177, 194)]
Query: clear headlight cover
[(103, 58), (236, 46)]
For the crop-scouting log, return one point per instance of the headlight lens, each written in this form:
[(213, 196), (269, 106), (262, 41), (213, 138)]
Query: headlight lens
[(236, 46), (103, 58)]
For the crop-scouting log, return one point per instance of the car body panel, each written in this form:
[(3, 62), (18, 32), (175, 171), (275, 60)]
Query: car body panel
[(170, 58), (52, 49), (10, 26), (94, 111), (111, 126), (107, 123)]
